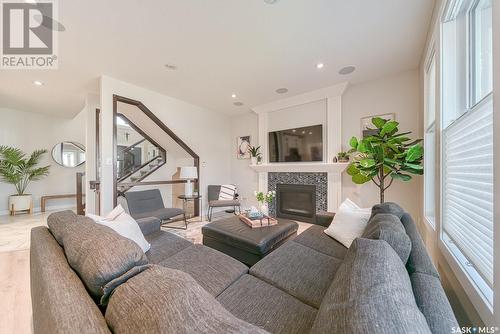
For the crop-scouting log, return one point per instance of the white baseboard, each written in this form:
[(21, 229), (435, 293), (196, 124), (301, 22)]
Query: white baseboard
[(47, 208)]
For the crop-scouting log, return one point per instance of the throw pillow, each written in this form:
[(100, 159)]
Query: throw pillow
[(59, 222), (123, 224), (349, 223), (164, 300), (371, 293), (388, 227), (227, 192), (98, 254)]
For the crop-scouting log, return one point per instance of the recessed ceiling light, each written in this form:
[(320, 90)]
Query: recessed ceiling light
[(294, 130), (238, 104), (320, 65), (347, 70), (37, 83), (310, 132), (170, 66), (233, 96), (282, 90), (270, 2)]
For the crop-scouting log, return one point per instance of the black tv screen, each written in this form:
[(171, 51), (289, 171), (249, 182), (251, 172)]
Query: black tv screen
[(298, 144)]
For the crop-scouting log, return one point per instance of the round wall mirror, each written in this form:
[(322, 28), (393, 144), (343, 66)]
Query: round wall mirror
[(69, 154)]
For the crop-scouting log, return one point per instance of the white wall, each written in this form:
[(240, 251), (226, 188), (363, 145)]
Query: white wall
[(245, 178), (398, 94), (30, 131), (206, 132)]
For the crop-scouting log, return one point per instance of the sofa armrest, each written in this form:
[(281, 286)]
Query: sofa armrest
[(149, 225)]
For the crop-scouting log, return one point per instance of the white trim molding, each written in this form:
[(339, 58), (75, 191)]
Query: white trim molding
[(333, 97)]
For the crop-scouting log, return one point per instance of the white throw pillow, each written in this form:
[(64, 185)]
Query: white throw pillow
[(123, 224), (349, 223)]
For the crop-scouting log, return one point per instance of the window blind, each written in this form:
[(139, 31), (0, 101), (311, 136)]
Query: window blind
[(468, 187)]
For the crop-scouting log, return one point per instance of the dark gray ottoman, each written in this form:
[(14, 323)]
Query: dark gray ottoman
[(246, 244)]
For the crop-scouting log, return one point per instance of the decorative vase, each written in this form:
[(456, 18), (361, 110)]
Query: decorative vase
[(264, 209), (20, 203), (253, 161)]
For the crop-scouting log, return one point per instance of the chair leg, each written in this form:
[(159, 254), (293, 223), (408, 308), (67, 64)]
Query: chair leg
[(209, 214), (234, 210)]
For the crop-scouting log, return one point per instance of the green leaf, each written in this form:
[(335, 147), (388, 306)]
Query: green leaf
[(352, 170), (367, 163), (400, 176), (389, 127), (364, 146), (413, 171), (415, 152), (414, 166), (360, 179), (353, 142), (378, 122)]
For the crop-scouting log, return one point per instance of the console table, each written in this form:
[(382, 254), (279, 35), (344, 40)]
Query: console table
[(44, 199)]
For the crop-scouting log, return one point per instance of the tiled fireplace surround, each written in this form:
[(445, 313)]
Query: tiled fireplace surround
[(320, 180)]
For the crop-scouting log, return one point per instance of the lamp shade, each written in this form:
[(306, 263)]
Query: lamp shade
[(189, 173)]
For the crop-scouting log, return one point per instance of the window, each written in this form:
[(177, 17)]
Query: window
[(481, 50), (467, 141), (430, 141)]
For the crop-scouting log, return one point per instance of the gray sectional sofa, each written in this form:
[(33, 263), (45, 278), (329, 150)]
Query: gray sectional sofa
[(311, 284)]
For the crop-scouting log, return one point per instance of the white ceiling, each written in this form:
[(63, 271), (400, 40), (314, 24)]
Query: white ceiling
[(221, 47)]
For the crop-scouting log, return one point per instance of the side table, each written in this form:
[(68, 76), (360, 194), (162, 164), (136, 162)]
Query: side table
[(185, 199)]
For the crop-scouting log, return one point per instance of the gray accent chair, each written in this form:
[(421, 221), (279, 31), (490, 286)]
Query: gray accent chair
[(214, 202), (149, 203)]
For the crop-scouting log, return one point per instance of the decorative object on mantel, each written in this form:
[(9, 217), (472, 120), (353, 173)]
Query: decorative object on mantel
[(243, 144), (367, 126), (264, 199), (254, 154), (342, 157), (383, 154), (17, 169), (263, 221)]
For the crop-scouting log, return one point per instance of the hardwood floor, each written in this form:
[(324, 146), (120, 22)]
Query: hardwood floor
[(15, 299)]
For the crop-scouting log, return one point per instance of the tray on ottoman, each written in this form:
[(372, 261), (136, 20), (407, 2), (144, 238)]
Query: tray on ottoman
[(246, 244)]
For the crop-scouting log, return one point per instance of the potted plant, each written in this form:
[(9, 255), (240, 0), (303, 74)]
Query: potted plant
[(386, 154), (19, 170), (264, 200), (254, 154), (343, 157)]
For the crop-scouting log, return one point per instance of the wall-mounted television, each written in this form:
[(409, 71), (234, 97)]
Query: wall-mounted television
[(297, 144)]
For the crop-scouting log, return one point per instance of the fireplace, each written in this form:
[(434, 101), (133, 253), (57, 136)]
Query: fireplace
[(296, 201)]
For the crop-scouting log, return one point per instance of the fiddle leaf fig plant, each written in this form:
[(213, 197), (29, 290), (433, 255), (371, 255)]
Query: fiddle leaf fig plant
[(387, 154)]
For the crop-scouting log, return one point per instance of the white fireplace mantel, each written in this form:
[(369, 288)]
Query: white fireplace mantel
[(338, 167), (333, 139)]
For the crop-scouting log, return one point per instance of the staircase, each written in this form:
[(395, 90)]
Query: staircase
[(139, 160)]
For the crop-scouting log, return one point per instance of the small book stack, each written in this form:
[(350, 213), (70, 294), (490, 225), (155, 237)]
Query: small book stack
[(265, 221)]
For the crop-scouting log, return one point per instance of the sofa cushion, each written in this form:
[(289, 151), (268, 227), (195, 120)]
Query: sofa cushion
[(97, 253), (266, 306), (432, 302), (419, 260), (60, 302), (163, 245), (388, 227), (388, 207), (298, 270), (213, 270), (315, 238), (162, 300), (219, 203), (149, 225), (370, 293), (163, 213), (58, 223)]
